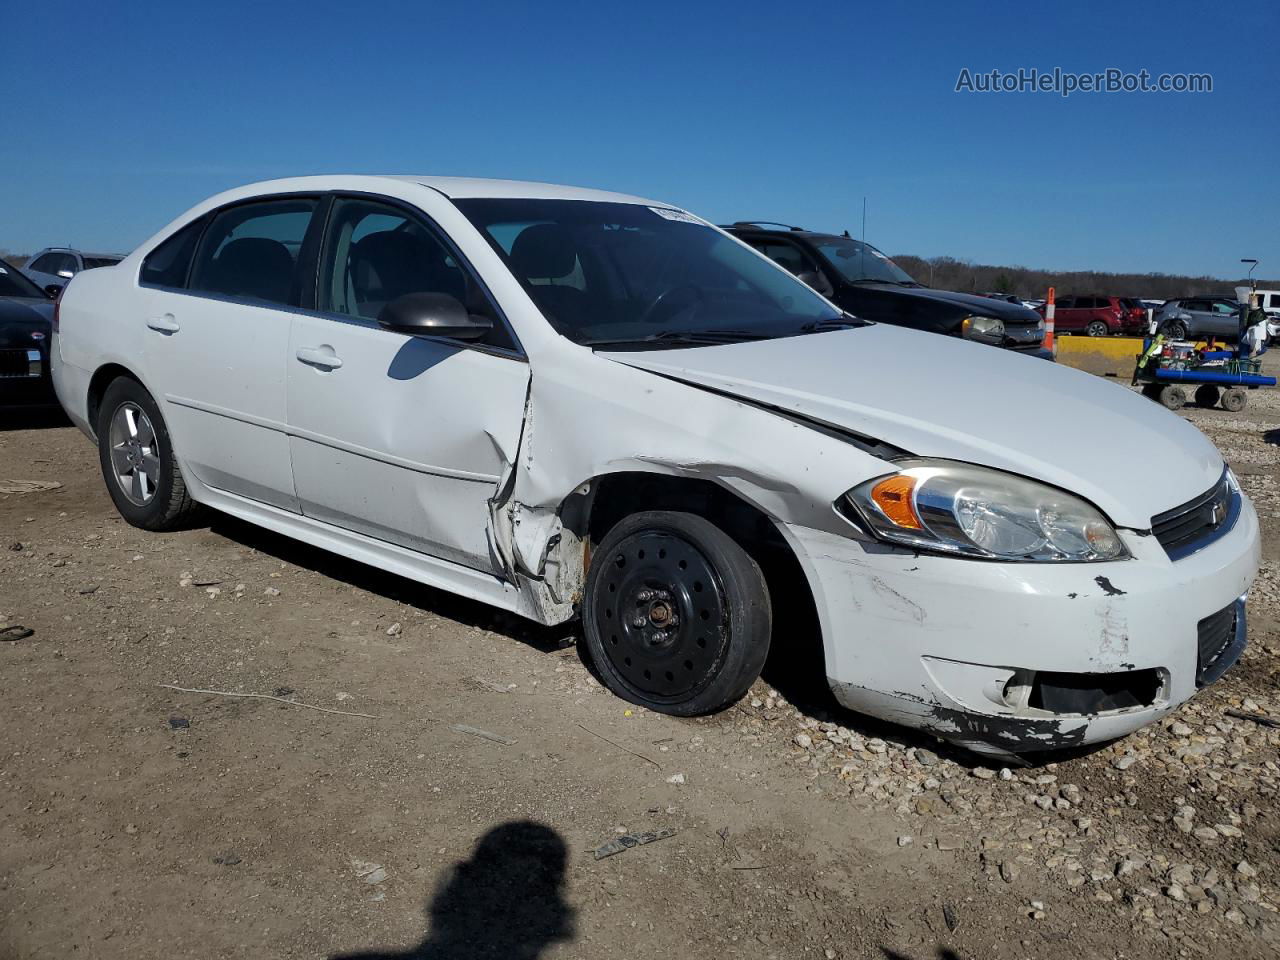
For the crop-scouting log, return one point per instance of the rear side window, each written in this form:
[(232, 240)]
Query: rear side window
[(250, 251), (788, 256), (166, 265)]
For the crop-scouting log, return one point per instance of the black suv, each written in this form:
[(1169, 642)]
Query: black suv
[(862, 281)]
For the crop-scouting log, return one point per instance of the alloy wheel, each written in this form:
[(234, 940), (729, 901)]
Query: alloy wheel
[(135, 453)]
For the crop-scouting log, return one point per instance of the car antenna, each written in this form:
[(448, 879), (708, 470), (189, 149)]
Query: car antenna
[(846, 235)]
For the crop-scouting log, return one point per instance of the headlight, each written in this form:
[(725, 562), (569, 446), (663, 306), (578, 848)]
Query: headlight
[(982, 328), (979, 512)]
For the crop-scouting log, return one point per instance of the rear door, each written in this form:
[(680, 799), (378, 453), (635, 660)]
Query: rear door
[(1066, 316), (216, 343), (1223, 319), (401, 438)]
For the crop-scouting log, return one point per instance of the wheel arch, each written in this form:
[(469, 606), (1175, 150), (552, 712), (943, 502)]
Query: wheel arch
[(98, 383), (597, 505)]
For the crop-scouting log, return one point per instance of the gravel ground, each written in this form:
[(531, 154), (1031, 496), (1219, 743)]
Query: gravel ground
[(458, 818)]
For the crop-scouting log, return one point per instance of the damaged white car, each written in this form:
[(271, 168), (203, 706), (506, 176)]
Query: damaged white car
[(566, 402)]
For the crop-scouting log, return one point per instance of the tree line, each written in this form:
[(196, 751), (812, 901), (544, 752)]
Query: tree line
[(948, 273)]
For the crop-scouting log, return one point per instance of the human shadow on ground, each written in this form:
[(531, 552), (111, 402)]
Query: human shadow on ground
[(505, 903)]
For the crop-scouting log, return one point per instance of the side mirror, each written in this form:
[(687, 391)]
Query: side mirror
[(66, 274), (433, 315), (52, 290), (815, 280)]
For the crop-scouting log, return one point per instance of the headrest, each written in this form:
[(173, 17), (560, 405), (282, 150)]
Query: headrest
[(545, 250), (254, 267)]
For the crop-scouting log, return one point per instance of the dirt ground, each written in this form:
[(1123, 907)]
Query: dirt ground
[(142, 822)]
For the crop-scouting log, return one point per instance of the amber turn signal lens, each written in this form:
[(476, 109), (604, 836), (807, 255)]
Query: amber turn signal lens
[(893, 496)]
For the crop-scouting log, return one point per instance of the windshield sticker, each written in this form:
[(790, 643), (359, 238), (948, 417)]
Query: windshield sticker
[(679, 215)]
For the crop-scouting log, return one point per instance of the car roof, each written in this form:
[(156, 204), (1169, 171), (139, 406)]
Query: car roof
[(777, 229), (456, 188), (83, 253)]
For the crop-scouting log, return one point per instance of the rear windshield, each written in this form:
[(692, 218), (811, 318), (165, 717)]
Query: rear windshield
[(14, 284), (623, 271)]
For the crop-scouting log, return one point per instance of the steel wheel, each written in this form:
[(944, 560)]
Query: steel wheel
[(676, 614), (135, 453), (665, 613)]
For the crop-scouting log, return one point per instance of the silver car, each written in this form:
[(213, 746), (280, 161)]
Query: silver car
[(1198, 317), (54, 266)]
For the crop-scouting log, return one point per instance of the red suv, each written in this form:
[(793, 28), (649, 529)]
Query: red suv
[(1096, 316)]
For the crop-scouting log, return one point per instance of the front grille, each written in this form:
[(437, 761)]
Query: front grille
[(19, 363), (1197, 523), (1220, 639)]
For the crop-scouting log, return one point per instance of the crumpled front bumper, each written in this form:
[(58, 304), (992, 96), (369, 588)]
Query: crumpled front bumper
[(953, 646)]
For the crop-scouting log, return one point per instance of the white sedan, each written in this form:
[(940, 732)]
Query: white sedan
[(570, 403)]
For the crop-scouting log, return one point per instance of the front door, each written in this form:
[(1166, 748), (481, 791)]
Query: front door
[(216, 349), (398, 437)]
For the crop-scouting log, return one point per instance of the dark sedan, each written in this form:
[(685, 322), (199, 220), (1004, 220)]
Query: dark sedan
[(26, 323)]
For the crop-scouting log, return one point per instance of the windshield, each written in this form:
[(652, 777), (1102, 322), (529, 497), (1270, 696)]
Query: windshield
[(857, 261), (604, 272), (14, 284)]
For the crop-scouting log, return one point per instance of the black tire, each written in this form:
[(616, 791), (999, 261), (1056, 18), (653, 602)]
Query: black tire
[(162, 501), (1206, 395), (1175, 330), (1097, 328), (659, 565), (1152, 391), (1234, 399), (1173, 396)]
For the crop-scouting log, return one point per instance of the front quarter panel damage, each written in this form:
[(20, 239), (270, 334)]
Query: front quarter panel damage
[(595, 417)]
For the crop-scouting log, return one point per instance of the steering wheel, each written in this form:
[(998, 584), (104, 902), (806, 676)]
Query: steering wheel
[(667, 297)]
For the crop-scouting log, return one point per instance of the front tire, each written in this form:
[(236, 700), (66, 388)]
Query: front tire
[(676, 614), (136, 456)]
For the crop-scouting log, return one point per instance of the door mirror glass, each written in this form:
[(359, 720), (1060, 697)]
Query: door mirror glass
[(433, 315)]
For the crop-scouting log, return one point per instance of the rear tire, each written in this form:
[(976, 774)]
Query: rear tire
[(676, 614), (1234, 399), (1097, 328), (1175, 330), (136, 456), (1206, 395), (1173, 396)]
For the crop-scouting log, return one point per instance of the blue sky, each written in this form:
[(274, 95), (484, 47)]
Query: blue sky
[(122, 116)]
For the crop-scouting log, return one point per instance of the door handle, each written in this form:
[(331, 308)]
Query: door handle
[(322, 357), (164, 324)]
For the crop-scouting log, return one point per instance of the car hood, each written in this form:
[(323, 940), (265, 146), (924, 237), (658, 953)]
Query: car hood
[(20, 318), (942, 397), (968, 303)]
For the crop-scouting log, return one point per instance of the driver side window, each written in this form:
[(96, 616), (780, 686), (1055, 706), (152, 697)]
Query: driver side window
[(375, 253)]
